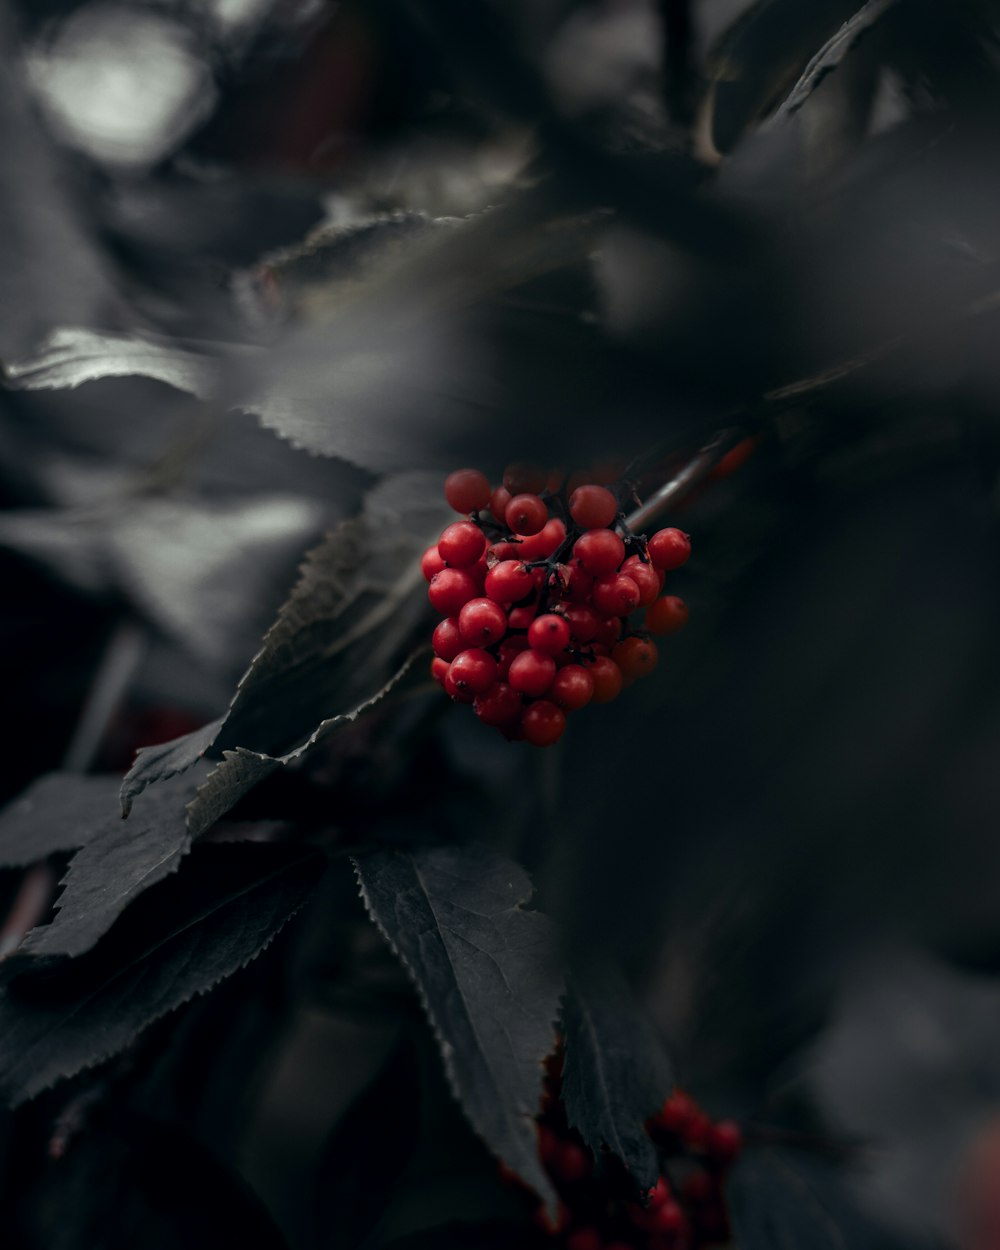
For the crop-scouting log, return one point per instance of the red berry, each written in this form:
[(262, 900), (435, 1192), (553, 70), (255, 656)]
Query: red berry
[(474, 671), (616, 595), (645, 577), (635, 657), (481, 622), (676, 1113), (583, 622), (439, 669), (572, 1163), (659, 1194), (509, 581), (526, 514), (461, 544), (531, 673), (521, 618), (607, 678), (521, 478), (572, 688), (666, 615), (599, 551), (669, 549), (697, 1130), (447, 639), (725, 1141), (467, 490), (549, 634), (545, 542), (667, 1218), (460, 693), (542, 724), (577, 582), (431, 562), (499, 706), (593, 507), (501, 551), (450, 590), (509, 649), (499, 500), (608, 632)]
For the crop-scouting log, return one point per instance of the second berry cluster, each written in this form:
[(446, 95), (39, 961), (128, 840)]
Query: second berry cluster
[(537, 586)]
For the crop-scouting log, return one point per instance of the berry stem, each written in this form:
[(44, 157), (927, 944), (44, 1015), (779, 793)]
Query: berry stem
[(696, 469)]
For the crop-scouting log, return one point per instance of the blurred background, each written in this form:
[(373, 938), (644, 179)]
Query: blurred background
[(255, 255)]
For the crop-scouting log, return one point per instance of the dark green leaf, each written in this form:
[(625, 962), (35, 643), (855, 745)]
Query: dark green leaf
[(191, 931), (340, 643), (487, 972), (59, 812), (118, 861), (616, 1073), (167, 759)]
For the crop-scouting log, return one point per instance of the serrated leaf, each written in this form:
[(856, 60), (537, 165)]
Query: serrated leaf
[(165, 760), (191, 931), (117, 862), (58, 812), (487, 972), (340, 643), (763, 56), (616, 1072), (73, 355)]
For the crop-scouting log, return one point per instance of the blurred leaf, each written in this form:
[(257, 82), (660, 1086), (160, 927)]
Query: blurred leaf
[(783, 1200), (58, 812), (118, 862), (616, 1072), (72, 355), (489, 1235), (341, 641), (190, 932), (768, 50), (204, 1203), (196, 570), (366, 1152), (487, 972)]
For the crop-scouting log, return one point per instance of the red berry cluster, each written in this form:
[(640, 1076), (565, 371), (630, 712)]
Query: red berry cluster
[(536, 587), (684, 1210)]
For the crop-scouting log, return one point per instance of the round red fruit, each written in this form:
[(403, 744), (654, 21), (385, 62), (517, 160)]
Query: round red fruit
[(599, 551), (431, 562), (725, 1141), (509, 648), (467, 490), (481, 622), (549, 634), (608, 633), (572, 688), (578, 583), (526, 514), (583, 622), (498, 504), (607, 678), (531, 673), (447, 639), (616, 595), (509, 581), (461, 544), (669, 549), (460, 693), (666, 615), (645, 577), (499, 706), (635, 657), (676, 1113), (450, 590), (439, 669), (593, 507), (542, 724), (521, 478), (521, 618), (545, 542), (474, 670)]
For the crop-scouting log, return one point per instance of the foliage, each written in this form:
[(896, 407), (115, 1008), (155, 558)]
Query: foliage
[(290, 957)]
